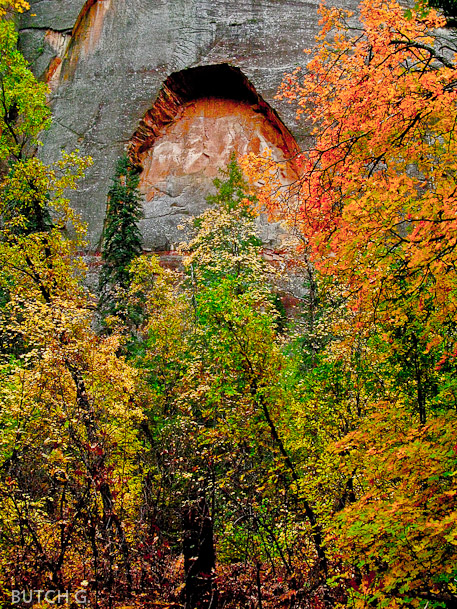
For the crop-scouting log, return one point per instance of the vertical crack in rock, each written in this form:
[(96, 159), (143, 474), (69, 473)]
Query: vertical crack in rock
[(59, 43), (86, 33)]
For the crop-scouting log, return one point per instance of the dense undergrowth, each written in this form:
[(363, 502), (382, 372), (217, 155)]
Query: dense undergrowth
[(185, 443)]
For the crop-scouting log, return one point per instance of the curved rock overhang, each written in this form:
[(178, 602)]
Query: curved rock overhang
[(85, 34), (82, 15), (200, 117), (220, 81)]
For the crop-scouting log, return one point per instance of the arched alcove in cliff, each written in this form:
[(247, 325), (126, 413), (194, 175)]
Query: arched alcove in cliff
[(200, 117)]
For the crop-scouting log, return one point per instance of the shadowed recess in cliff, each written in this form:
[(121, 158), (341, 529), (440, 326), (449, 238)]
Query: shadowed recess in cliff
[(200, 117)]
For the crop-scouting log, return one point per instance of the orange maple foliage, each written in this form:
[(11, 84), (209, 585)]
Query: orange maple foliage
[(376, 208), (376, 200), (401, 533)]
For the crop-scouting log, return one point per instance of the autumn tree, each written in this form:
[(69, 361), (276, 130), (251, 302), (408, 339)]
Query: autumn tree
[(68, 484), (449, 8), (23, 109), (373, 201), (375, 206), (66, 437), (13, 5), (214, 361)]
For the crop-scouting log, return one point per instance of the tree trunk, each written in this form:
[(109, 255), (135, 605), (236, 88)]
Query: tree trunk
[(199, 556)]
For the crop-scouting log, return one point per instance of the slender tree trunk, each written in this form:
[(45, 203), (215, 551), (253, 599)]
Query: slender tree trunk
[(199, 556), (419, 385)]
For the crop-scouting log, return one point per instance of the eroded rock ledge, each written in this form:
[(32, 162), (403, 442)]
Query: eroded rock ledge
[(201, 116)]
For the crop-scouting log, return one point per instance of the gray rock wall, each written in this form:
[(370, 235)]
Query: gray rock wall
[(106, 61)]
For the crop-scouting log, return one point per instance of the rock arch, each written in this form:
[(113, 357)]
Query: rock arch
[(199, 118)]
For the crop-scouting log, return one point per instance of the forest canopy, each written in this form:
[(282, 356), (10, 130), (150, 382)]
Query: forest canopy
[(180, 439)]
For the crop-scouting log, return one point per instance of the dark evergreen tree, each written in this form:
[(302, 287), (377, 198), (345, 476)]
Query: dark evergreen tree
[(121, 240)]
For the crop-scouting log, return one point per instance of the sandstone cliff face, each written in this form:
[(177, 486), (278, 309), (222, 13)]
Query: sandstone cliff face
[(109, 65)]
